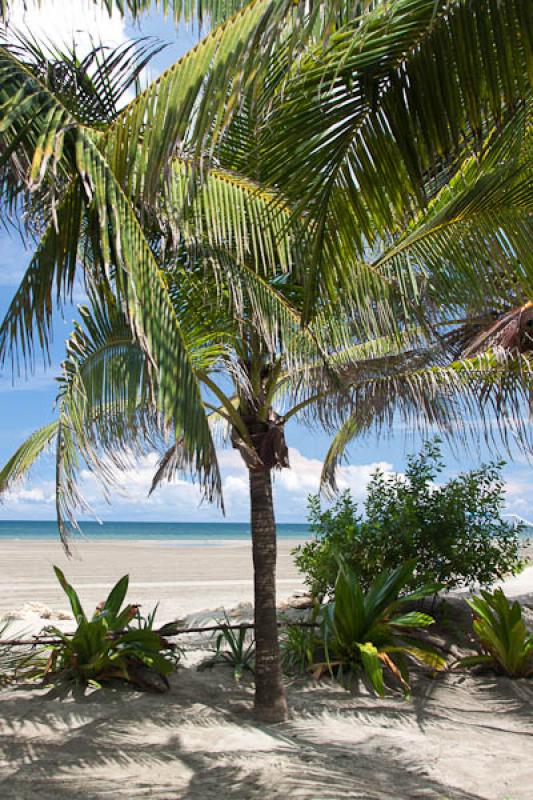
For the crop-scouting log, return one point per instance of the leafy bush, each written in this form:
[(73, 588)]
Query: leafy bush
[(367, 631), (239, 650), (108, 646), (454, 531), (506, 643)]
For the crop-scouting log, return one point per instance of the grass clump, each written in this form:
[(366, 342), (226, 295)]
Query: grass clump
[(233, 646)]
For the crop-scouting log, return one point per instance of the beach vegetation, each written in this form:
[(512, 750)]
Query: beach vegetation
[(502, 636), (18, 663), (369, 631), (106, 646), (241, 274), (233, 646), (454, 530), (299, 645)]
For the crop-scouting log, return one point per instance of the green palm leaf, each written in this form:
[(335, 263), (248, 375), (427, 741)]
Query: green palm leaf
[(481, 396), (392, 98), (26, 455)]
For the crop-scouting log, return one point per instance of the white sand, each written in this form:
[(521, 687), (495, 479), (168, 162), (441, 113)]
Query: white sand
[(460, 738), (182, 579)]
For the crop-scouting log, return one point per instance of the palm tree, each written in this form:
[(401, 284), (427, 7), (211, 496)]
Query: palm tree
[(244, 330), (109, 413), (309, 293)]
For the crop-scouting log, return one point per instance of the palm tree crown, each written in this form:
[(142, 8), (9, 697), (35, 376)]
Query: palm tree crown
[(313, 225)]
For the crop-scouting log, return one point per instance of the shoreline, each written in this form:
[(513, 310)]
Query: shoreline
[(94, 541)]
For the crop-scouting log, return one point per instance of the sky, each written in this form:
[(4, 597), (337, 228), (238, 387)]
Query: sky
[(28, 404)]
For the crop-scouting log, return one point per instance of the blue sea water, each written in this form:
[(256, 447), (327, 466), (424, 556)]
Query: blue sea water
[(170, 532)]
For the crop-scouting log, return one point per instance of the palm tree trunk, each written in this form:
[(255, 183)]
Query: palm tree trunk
[(270, 702)]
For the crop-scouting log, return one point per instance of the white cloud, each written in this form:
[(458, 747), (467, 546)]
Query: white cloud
[(518, 490), (30, 496), (304, 476), (181, 500), (63, 21)]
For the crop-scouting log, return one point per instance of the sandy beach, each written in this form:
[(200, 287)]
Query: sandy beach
[(460, 736), (182, 578)]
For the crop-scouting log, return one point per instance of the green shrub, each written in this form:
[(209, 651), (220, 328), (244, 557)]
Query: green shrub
[(366, 631), (233, 646), (454, 531), (108, 646), (505, 642)]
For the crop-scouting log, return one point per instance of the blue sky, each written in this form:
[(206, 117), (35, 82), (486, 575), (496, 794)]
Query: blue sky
[(29, 404)]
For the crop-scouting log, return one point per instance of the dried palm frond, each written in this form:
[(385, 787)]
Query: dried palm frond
[(513, 333)]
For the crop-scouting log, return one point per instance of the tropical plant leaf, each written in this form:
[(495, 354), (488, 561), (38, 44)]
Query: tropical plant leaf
[(26, 455), (412, 619), (372, 666), (116, 596), (74, 600), (475, 661)]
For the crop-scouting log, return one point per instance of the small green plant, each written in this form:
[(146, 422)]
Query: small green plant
[(505, 642), (454, 530), (369, 631), (18, 662), (233, 647), (108, 646), (298, 647)]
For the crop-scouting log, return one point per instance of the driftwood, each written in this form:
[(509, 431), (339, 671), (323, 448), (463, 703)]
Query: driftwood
[(167, 631)]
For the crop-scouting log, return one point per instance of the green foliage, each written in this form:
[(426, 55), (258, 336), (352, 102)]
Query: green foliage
[(17, 662), (506, 643), (233, 647), (299, 645), (454, 530), (367, 631), (107, 646)]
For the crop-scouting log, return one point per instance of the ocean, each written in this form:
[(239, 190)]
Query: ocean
[(169, 532)]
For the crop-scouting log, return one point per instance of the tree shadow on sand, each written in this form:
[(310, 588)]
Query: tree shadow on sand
[(199, 742)]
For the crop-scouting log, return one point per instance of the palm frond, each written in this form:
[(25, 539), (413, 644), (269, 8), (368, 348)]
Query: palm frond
[(47, 282), (111, 397), (117, 241), (92, 86), (184, 109), (230, 211), (386, 104), (187, 10), (474, 242), (213, 12), (472, 399), (26, 455)]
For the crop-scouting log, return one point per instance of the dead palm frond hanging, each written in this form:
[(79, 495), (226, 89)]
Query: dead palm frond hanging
[(513, 333)]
